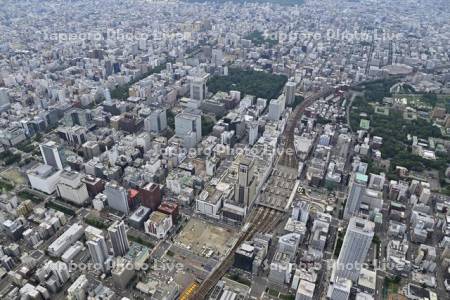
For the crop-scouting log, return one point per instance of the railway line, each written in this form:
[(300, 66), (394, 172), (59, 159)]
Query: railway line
[(263, 219), (288, 158), (259, 221)]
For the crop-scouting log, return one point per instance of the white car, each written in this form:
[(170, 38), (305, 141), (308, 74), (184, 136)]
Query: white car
[(447, 284)]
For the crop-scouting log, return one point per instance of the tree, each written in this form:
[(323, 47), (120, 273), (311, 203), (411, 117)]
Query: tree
[(207, 124), (249, 82)]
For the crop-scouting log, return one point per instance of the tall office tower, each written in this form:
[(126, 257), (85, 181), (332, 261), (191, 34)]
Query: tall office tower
[(245, 189), (76, 116), (188, 125), (252, 132), (53, 155), (357, 188), (119, 239), (217, 57), (107, 94), (354, 249), (340, 290), (97, 247), (305, 290), (425, 195), (117, 197), (5, 102), (276, 108), (197, 86), (151, 195), (289, 92), (157, 121), (376, 182), (300, 211), (77, 291), (60, 270)]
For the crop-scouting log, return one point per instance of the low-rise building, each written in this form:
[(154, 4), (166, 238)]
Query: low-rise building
[(158, 225)]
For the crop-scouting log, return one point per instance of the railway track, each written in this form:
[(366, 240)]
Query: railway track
[(262, 219), (259, 221), (288, 158)]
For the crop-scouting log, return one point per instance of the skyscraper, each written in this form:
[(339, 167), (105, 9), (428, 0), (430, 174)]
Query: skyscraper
[(252, 132), (376, 182), (53, 155), (340, 290), (245, 189), (357, 188), (289, 92), (119, 239), (157, 121), (151, 195), (5, 102), (97, 247), (117, 197), (188, 125), (276, 108), (197, 86), (354, 249), (217, 57)]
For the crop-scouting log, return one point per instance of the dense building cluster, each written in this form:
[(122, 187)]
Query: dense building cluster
[(190, 150)]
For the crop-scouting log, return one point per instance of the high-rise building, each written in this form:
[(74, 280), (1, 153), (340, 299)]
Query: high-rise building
[(97, 247), (151, 195), (158, 225), (59, 269), (5, 102), (300, 211), (77, 291), (197, 86), (217, 57), (289, 92), (156, 121), (376, 182), (117, 197), (77, 116), (94, 185), (252, 132), (71, 188), (354, 249), (245, 189), (188, 125), (276, 108), (244, 257), (91, 149), (340, 290), (357, 188), (123, 272), (119, 239), (53, 155), (305, 290)]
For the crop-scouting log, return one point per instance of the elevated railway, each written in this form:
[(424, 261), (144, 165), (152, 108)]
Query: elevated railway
[(263, 219), (259, 221), (288, 157)]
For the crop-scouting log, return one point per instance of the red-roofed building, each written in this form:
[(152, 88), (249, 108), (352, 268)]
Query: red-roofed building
[(133, 197), (170, 208)]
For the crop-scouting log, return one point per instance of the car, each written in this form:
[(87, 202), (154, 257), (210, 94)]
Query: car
[(447, 284)]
